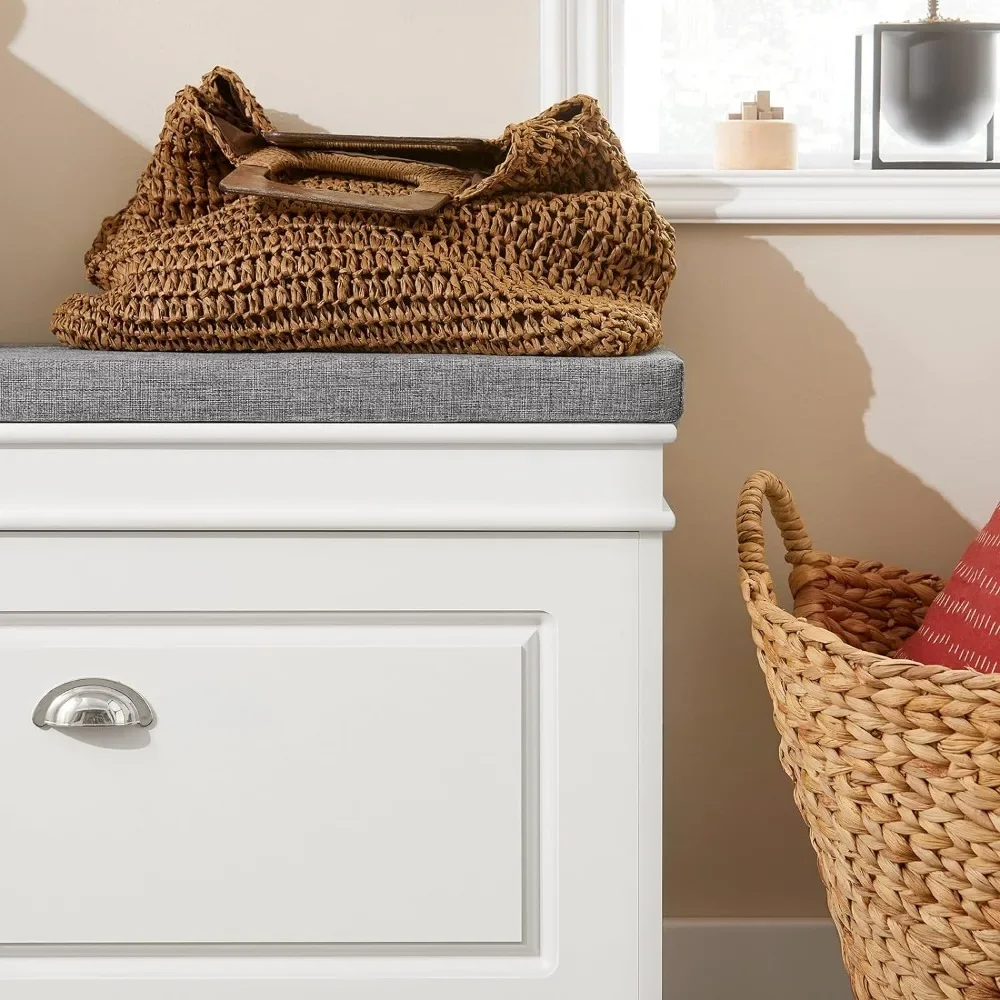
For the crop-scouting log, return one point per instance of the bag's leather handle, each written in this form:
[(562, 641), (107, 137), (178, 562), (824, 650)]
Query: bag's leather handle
[(386, 145), (434, 185)]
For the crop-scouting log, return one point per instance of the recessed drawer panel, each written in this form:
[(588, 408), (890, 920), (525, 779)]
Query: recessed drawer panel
[(338, 778)]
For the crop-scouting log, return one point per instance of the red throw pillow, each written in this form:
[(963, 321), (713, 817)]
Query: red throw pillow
[(962, 627)]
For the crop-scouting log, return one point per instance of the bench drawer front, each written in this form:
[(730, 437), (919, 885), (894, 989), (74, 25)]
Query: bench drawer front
[(403, 766)]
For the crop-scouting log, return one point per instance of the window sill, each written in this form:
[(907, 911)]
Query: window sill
[(852, 196)]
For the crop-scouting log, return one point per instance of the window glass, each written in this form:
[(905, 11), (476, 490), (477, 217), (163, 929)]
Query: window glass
[(688, 63)]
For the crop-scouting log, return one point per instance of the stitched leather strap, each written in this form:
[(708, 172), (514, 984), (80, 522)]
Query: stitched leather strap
[(408, 147)]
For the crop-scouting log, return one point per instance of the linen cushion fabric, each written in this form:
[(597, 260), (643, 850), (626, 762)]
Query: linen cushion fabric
[(52, 384)]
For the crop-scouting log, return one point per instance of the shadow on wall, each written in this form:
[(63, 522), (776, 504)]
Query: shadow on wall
[(775, 380), (65, 168)]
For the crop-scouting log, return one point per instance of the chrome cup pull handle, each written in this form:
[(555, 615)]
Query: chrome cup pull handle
[(92, 701)]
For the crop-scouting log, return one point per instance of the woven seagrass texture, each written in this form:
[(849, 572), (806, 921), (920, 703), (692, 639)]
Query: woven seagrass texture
[(895, 765), (555, 250)]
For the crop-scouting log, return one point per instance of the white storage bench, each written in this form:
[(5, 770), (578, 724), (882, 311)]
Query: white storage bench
[(395, 625)]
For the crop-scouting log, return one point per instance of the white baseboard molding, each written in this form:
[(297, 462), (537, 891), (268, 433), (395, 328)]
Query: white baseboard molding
[(753, 959)]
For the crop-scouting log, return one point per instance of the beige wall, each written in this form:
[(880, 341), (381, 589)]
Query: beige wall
[(85, 83), (858, 364)]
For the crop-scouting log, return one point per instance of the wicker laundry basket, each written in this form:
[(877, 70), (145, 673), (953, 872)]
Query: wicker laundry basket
[(895, 765)]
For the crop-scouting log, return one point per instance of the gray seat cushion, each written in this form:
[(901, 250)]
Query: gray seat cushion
[(51, 384)]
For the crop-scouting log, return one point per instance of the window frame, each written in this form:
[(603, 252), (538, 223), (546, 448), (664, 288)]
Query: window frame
[(580, 45)]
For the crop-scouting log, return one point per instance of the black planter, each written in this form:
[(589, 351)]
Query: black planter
[(939, 81)]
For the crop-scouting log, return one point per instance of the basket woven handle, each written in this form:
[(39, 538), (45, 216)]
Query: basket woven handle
[(434, 184), (750, 523)]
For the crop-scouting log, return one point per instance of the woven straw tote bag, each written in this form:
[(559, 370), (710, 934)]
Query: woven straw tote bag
[(895, 765), (243, 238)]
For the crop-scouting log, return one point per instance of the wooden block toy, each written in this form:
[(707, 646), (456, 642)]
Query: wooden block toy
[(756, 138)]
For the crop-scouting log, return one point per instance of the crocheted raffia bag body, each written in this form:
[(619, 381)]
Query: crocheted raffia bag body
[(243, 238)]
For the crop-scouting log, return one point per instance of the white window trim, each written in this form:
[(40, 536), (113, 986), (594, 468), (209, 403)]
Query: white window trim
[(578, 41)]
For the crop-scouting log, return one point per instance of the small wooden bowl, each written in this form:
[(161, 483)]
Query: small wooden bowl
[(755, 145)]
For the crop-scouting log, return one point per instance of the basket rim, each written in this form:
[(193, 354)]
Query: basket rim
[(820, 638), (756, 584)]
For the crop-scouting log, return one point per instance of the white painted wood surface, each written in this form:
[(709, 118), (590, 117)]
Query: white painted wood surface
[(370, 477), (854, 195), (307, 780), (479, 819)]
